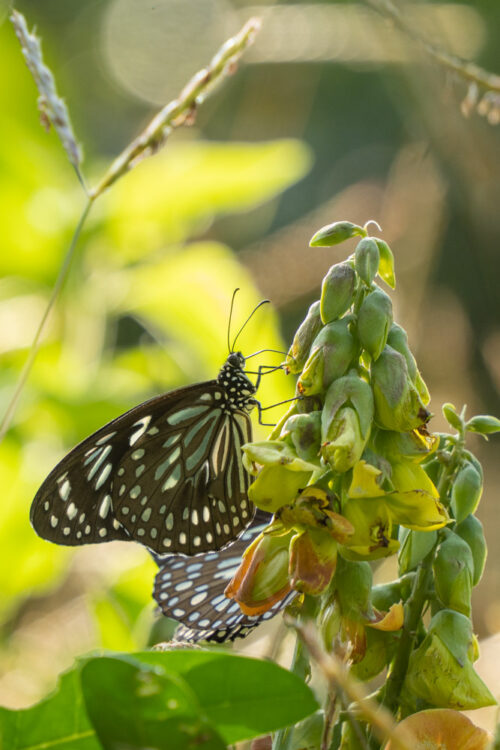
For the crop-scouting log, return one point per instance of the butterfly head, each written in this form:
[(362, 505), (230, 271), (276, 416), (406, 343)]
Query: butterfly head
[(236, 360)]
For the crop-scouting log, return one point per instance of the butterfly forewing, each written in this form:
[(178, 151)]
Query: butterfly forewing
[(167, 474), (191, 591), (181, 486)]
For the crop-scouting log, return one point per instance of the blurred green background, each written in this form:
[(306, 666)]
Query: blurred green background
[(332, 115)]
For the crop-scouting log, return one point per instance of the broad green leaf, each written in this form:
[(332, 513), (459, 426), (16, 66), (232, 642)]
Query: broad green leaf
[(136, 705), (242, 697), (59, 721)]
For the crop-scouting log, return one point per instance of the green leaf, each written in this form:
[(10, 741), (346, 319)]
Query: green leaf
[(59, 721), (135, 705), (484, 424), (243, 697)]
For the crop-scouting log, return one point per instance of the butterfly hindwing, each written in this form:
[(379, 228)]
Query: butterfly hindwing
[(191, 591)]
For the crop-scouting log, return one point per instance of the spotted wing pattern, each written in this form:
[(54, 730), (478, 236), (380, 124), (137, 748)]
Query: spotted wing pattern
[(167, 474), (191, 591)]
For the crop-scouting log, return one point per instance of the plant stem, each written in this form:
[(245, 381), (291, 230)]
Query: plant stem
[(415, 605), (182, 110), (413, 613), (35, 346), (466, 70), (300, 666)]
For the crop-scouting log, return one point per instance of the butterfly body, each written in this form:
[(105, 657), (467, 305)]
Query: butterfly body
[(167, 474)]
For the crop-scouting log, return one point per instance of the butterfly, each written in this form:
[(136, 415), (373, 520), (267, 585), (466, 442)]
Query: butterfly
[(167, 474), (191, 591)]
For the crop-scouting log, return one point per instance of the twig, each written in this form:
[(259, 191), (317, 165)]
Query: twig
[(338, 676), (182, 110), (53, 110), (467, 70), (35, 346)]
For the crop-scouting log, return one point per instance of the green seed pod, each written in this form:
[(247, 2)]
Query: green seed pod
[(397, 402), (380, 647), (333, 234), (471, 531), (415, 545), (367, 259), (374, 321), (386, 265), (301, 345), (337, 291), (466, 492), (305, 432), (353, 583), (332, 353), (453, 569), (440, 671)]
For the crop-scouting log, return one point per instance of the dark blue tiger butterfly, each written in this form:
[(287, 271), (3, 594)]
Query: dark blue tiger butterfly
[(191, 591), (167, 474)]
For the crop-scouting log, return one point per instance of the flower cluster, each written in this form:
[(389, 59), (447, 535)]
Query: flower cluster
[(352, 474)]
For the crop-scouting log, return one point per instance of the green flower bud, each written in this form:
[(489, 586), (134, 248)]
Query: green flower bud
[(471, 531), (374, 321), (453, 569), (451, 416), (415, 545), (440, 671), (301, 345), (346, 421), (386, 265), (337, 291), (334, 234), (332, 353), (398, 339), (305, 433), (397, 402), (276, 486), (466, 491), (367, 259), (483, 424)]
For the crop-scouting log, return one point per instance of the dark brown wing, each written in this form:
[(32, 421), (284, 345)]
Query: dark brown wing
[(181, 486)]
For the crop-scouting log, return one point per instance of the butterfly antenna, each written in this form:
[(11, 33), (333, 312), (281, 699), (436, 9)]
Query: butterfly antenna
[(264, 302), (229, 323)]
